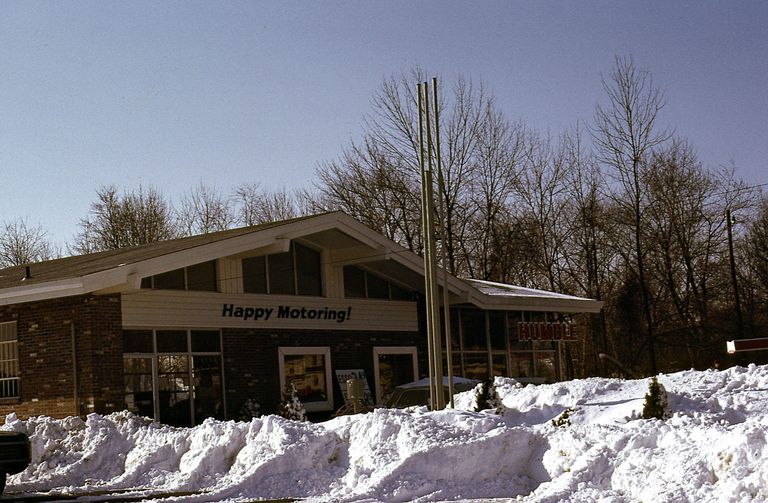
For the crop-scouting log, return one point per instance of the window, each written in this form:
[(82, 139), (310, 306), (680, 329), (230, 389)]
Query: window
[(309, 369), (174, 376), (361, 284), (533, 360), (255, 275), (393, 366), (295, 272), (200, 277), (354, 282), (9, 361), (473, 330)]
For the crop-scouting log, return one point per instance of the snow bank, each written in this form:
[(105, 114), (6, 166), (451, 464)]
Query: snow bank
[(713, 448)]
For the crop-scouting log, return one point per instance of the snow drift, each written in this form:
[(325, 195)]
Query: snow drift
[(712, 448)]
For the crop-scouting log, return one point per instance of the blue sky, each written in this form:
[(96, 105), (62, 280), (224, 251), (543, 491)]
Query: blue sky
[(171, 94)]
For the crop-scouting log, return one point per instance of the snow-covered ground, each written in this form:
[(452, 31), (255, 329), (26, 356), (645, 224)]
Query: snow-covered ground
[(712, 448)]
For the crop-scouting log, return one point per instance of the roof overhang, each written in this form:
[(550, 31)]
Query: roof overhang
[(361, 245)]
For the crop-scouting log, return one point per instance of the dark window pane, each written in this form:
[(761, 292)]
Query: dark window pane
[(497, 322), (499, 364), (146, 282), (378, 288), (308, 271), (202, 276), (455, 337), (171, 280), (280, 266), (171, 341), (455, 332), (522, 365), (354, 282), (545, 366), (476, 365), (394, 370), (137, 341), (206, 377), (473, 329), (205, 341), (399, 293), (174, 389), (544, 344), (513, 318), (254, 275), (137, 376)]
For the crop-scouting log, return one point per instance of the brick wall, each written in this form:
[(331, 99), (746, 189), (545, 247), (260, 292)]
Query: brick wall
[(60, 380), (251, 360)]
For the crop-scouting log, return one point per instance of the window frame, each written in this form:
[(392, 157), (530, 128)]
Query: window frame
[(9, 362), (189, 353), (392, 350), (151, 279), (294, 264), (390, 284), (283, 351)]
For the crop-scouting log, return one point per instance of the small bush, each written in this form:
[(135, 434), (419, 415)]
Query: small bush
[(656, 401), (486, 397), (564, 419), (249, 410), (291, 407)]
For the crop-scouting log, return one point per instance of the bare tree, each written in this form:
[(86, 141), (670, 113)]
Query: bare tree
[(364, 184), (21, 243), (686, 231), (204, 209), (377, 180), (625, 133), (116, 221), (755, 256), (496, 163), (255, 206)]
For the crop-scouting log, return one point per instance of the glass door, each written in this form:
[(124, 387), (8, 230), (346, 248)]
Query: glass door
[(139, 397), (174, 390)]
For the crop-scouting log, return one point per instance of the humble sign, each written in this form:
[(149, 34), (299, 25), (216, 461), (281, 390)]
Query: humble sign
[(545, 331)]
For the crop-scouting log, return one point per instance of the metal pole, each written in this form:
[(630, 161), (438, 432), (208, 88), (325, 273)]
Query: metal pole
[(432, 263), (736, 298), (442, 210), (424, 211)]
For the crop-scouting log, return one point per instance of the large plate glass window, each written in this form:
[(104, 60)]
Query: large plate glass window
[(309, 369), (362, 284), (174, 376), (295, 272), (200, 277), (393, 366), (139, 395)]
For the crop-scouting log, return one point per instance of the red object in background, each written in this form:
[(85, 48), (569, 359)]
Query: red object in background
[(747, 345), (544, 331)]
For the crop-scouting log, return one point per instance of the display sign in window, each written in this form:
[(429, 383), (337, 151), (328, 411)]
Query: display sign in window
[(309, 370)]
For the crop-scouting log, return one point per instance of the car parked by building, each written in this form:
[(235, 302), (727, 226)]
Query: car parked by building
[(14, 454)]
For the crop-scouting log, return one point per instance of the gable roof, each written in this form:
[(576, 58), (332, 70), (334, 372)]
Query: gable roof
[(125, 267), (83, 265)]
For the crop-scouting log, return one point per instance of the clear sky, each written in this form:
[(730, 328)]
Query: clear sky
[(170, 94)]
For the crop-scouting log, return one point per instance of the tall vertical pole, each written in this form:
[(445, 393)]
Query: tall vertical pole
[(424, 213), (431, 260), (736, 298), (442, 210)]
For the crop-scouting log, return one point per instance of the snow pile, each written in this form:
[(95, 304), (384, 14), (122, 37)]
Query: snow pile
[(713, 448)]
